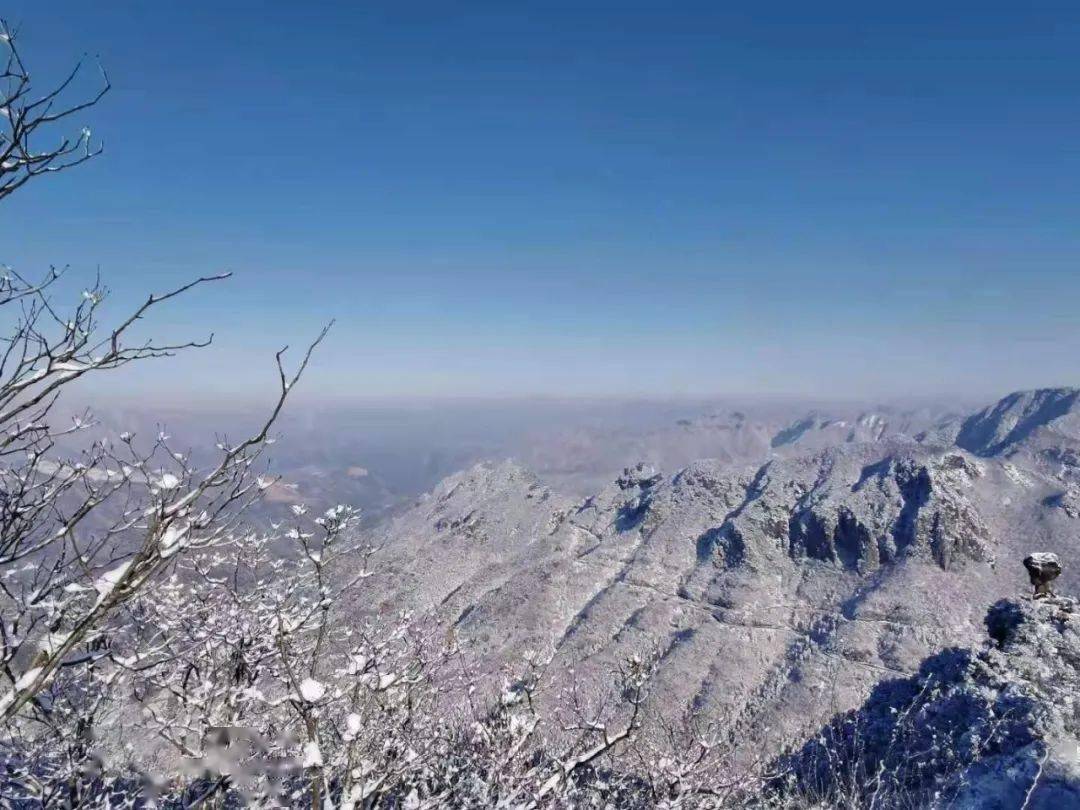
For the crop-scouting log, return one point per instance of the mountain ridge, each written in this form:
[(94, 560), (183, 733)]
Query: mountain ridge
[(1017, 416)]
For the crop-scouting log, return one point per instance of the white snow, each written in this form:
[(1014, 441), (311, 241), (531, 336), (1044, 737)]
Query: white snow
[(312, 690), (105, 584), (54, 641), (1044, 558), (312, 755), (71, 365), (167, 481), (171, 539), (1016, 476), (25, 680), (353, 724)]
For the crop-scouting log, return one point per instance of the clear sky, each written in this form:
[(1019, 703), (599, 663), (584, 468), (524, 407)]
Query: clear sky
[(501, 198)]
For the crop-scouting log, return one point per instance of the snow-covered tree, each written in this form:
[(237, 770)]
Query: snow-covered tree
[(83, 533)]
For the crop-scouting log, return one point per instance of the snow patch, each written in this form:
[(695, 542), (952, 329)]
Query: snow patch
[(312, 690), (312, 755)]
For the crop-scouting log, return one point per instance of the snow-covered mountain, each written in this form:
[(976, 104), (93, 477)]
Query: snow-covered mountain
[(1045, 418), (772, 593)]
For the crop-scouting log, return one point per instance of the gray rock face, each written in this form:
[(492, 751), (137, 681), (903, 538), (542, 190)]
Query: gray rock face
[(996, 728), (898, 505)]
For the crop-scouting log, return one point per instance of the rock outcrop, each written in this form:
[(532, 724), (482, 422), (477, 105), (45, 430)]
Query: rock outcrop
[(900, 505), (1043, 568)]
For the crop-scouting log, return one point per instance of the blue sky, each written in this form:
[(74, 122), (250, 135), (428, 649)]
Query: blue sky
[(626, 198)]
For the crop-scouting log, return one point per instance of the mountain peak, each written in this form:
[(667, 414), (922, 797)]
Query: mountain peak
[(1016, 417)]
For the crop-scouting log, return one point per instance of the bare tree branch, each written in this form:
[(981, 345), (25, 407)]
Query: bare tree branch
[(26, 120)]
